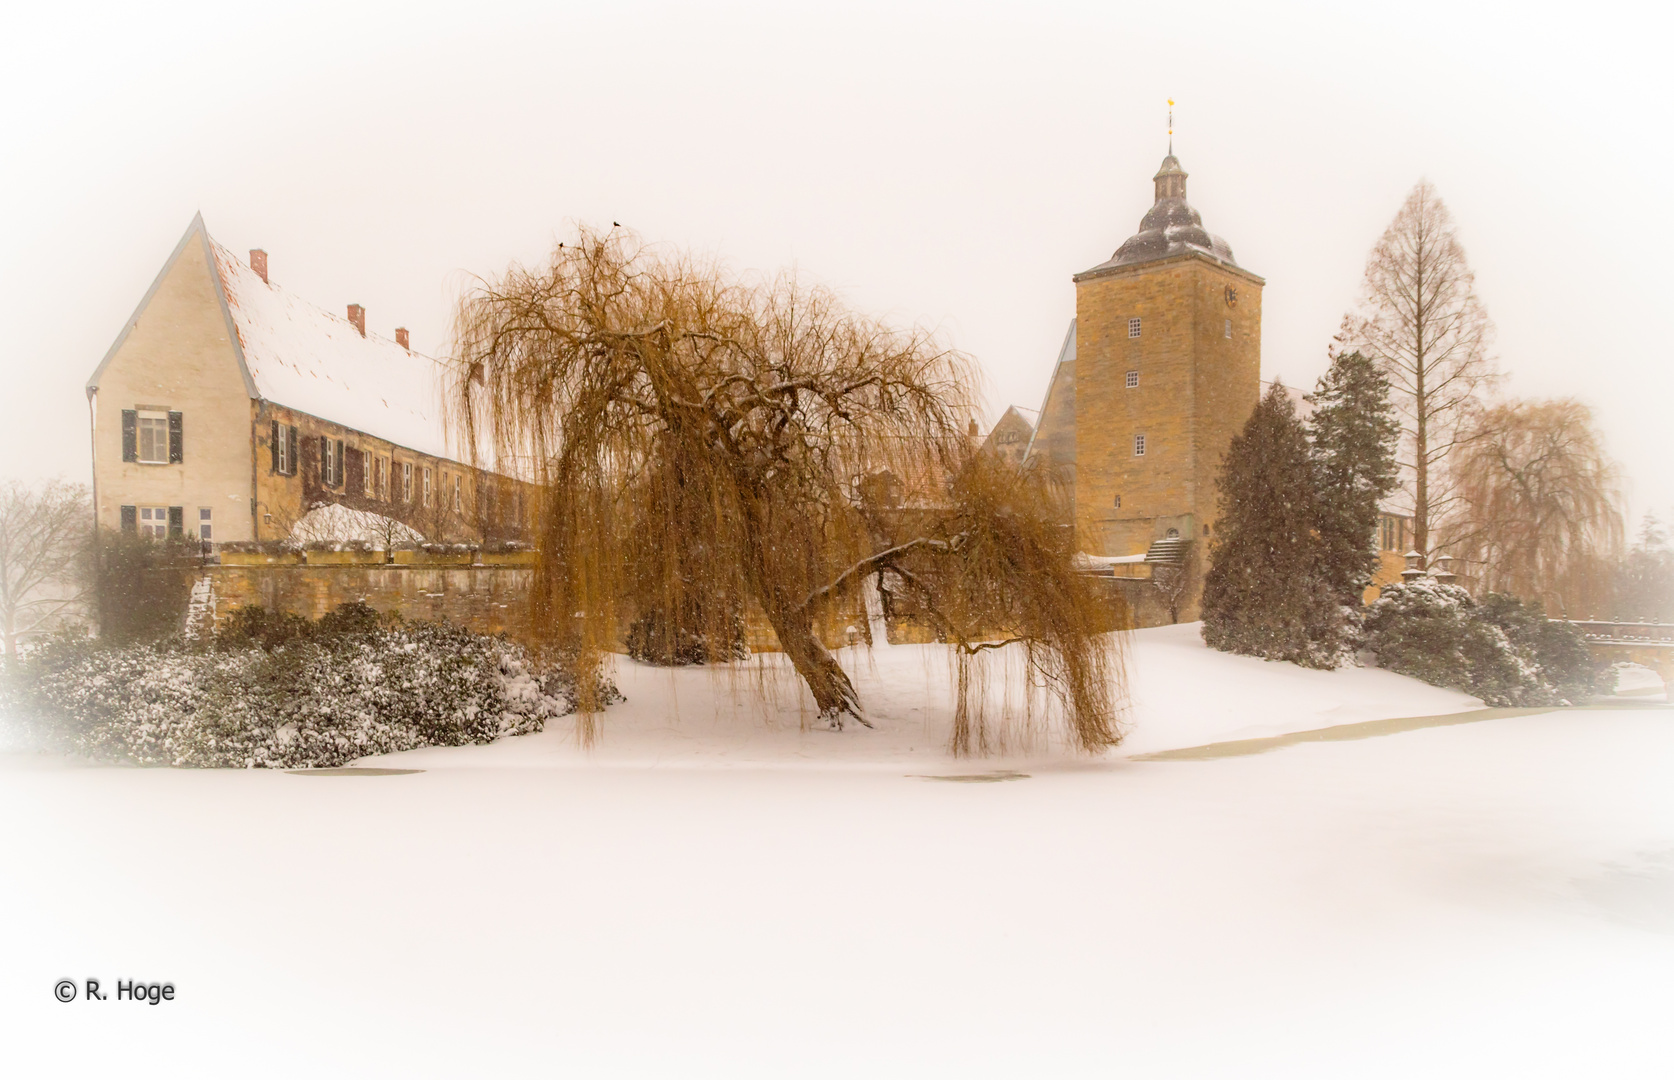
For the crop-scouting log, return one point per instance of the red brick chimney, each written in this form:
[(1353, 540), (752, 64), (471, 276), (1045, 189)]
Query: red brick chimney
[(258, 263), (357, 315), (401, 338)]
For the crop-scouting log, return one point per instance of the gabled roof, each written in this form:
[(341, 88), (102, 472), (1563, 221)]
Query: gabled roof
[(297, 355), (1064, 368)]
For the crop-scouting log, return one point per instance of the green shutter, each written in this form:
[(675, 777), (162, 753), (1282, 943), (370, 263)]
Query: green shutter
[(130, 434)]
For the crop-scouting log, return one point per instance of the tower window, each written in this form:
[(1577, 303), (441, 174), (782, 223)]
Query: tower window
[(1139, 446), (1118, 502), (1133, 328), (1133, 379), (1229, 328)]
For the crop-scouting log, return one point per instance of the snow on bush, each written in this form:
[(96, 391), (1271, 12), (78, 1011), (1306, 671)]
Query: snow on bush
[(292, 694), (1500, 650), (331, 523)]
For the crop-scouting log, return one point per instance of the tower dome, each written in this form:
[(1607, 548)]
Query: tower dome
[(1170, 227)]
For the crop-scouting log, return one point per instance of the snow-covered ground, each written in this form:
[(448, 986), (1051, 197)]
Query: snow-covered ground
[(705, 894), (1181, 694)]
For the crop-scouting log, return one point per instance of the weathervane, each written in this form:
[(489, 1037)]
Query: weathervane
[(1171, 126)]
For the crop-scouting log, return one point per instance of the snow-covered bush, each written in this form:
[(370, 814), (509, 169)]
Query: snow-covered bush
[(281, 692), (282, 546), (1499, 650), (330, 523)]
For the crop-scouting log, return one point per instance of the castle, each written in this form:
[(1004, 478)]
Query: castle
[(1160, 368)]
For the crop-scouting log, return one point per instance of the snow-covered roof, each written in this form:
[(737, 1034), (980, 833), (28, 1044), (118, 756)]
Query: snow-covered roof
[(305, 358)]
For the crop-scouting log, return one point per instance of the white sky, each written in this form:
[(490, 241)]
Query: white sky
[(949, 164)]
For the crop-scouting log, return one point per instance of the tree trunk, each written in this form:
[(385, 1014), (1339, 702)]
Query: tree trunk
[(1421, 423), (830, 685), (793, 625)]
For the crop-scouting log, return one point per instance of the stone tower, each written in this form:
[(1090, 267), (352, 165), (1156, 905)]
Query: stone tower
[(1167, 367)]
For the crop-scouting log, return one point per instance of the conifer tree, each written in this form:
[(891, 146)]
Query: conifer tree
[(1264, 594), (1352, 432)]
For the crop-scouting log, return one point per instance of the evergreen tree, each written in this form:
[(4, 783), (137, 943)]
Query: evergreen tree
[(1264, 594), (1645, 578), (1352, 443)]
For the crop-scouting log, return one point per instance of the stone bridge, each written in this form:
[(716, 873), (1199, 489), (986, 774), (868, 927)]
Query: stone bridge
[(1650, 644)]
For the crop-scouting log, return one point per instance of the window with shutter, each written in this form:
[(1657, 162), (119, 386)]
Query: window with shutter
[(177, 445), (273, 445), (130, 434), (177, 520), (153, 437), (293, 446), (354, 460)]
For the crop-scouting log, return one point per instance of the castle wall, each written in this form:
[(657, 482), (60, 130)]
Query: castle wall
[(490, 597), (487, 599)]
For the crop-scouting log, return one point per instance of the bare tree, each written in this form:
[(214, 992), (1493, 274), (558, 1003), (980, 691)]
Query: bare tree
[(1420, 321), (701, 443), (44, 545), (1538, 514), (1172, 581)]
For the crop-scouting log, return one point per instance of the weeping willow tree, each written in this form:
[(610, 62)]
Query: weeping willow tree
[(1539, 512), (711, 450)]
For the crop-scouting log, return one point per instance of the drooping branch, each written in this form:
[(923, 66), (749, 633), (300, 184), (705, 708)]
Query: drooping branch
[(700, 443)]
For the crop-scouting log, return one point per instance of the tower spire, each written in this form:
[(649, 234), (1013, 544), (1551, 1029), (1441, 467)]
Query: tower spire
[(1171, 126)]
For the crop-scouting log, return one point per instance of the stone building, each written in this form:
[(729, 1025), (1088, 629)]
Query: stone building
[(1161, 367), (1009, 439), (228, 408)]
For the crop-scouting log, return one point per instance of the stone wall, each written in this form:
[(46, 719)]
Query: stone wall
[(490, 596), (485, 598)]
